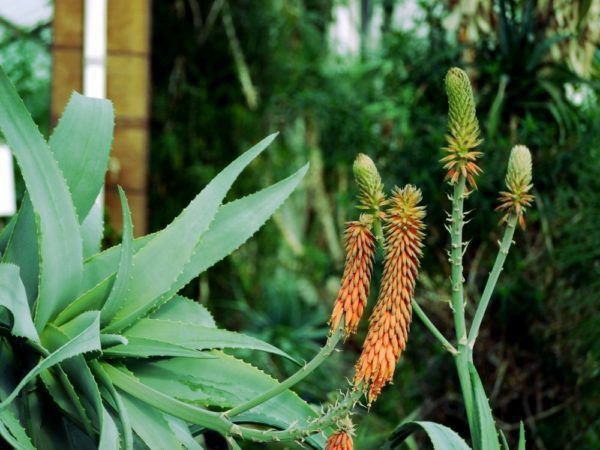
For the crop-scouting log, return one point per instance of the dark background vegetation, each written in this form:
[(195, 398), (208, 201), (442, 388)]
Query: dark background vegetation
[(225, 74)]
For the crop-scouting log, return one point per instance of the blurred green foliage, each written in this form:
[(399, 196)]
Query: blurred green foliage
[(539, 352), (25, 57)]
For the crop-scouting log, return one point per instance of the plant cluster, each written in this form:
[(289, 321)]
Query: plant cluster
[(103, 339), (97, 348)]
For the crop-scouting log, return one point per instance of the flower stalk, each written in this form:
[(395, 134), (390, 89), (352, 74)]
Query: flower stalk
[(514, 203), (331, 417), (492, 280), (302, 373), (458, 303), (462, 139), (432, 328)]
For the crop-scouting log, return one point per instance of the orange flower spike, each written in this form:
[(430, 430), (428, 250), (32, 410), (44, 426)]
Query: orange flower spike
[(390, 321), (354, 290)]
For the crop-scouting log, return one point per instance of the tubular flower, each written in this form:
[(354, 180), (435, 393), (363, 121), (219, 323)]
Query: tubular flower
[(340, 440), (463, 129), (390, 321), (518, 181), (354, 290)]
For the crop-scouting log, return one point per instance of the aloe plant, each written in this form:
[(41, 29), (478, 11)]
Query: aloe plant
[(97, 348)]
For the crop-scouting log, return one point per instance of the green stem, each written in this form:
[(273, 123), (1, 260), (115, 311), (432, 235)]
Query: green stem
[(302, 373), (378, 232), (231, 444), (298, 433), (492, 280), (70, 391), (458, 305), (456, 254), (433, 329)]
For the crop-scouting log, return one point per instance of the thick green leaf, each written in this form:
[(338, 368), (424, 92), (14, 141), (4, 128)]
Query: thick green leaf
[(150, 425), (22, 249), (86, 332), (109, 436), (223, 381), (83, 409), (185, 310), (60, 240), (182, 432), (521, 437), (78, 374), (442, 438), (78, 381), (108, 392), (145, 348), (14, 298), (103, 265), (504, 442), (110, 340), (118, 293), (78, 439), (159, 263), (197, 337), (485, 436), (10, 361), (226, 235), (81, 145), (13, 432), (62, 392), (223, 237), (6, 232), (128, 383), (91, 300), (92, 231)]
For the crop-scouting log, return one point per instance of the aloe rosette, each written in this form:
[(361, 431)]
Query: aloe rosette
[(97, 348)]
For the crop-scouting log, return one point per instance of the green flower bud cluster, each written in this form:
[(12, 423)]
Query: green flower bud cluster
[(463, 130), (462, 118), (518, 175), (371, 196), (519, 182)]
